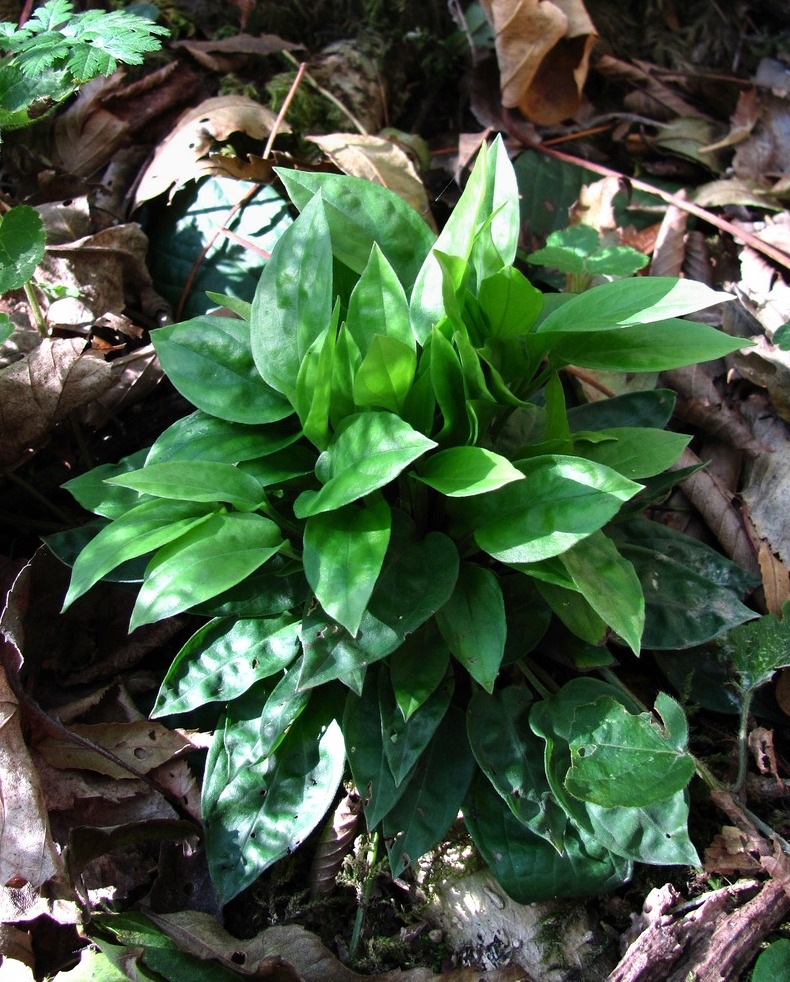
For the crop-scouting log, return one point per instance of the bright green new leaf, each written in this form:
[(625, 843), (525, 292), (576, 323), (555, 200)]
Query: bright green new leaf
[(447, 380), (385, 377), (22, 240), (369, 452), (510, 303), (473, 623), (436, 791), (624, 303), (618, 758), (343, 555), (208, 359), (378, 305), (293, 302), (633, 451), (271, 806), (405, 740), (187, 481), (224, 659), (141, 530), (313, 395), (463, 471), (563, 500), (358, 212), (96, 495), (609, 584), (578, 250), (210, 558)]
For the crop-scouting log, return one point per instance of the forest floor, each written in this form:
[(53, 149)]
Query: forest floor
[(663, 126)]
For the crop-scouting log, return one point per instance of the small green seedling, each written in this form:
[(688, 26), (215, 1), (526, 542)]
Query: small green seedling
[(578, 252)]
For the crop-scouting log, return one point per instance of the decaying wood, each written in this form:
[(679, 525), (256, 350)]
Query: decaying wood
[(711, 939)]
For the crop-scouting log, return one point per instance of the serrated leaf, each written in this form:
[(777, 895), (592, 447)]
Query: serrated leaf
[(22, 240), (758, 649), (369, 452)]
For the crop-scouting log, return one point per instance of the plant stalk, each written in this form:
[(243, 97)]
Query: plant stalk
[(35, 307), (367, 889)]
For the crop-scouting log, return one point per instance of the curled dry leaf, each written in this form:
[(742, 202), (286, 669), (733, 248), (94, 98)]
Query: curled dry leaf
[(381, 161), (175, 160), (543, 49), (43, 388)]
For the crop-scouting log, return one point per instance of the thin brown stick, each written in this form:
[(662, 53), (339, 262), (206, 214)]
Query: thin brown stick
[(782, 258), (284, 109)]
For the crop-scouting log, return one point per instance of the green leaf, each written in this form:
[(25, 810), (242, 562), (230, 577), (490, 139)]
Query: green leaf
[(313, 393), (94, 494), (472, 622), (618, 758), (415, 676), (22, 240), (510, 303), (281, 466), (201, 437), (692, 593), (216, 555), (405, 740), (574, 610), (369, 452), (271, 806), (609, 584), (343, 555), (511, 757), (224, 659), (385, 377), (365, 748), (562, 500), (378, 306), (293, 302), (6, 328), (526, 866), (208, 360), (651, 407), (633, 451), (357, 212), (773, 963), (436, 791), (578, 250), (145, 528), (463, 471), (625, 303), (489, 198), (645, 347), (759, 649), (184, 480), (447, 380), (272, 590)]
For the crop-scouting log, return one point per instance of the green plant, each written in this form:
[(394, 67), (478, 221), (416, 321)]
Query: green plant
[(56, 51), (409, 546)]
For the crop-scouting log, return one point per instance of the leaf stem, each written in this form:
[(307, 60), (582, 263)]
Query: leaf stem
[(743, 750), (35, 307), (546, 686), (367, 889)]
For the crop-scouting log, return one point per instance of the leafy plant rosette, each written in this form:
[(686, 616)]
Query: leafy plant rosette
[(383, 504)]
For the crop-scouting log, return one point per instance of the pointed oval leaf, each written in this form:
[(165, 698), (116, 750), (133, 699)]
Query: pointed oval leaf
[(462, 471), (216, 555), (203, 437), (208, 359), (378, 305), (190, 481), (385, 377)]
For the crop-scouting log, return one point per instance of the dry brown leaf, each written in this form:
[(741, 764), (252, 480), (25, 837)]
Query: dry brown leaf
[(761, 744), (776, 580), (136, 374), (216, 55), (43, 388), (595, 206), (213, 121), (653, 98), (375, 159), (669, 249), (543, 49)]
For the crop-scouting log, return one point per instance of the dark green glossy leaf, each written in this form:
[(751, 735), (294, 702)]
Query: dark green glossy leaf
[(527, 615), (282, 465), (417, 668), (293, 302), (575, 611), (216, 555), (759, 649), (271, 590), (369, 452), (436, 791), (511, 757), (473, 623), (526, 866), (224, 659), (208, 360), (652, 407), (562, 500), (343, 555), (202, 437), (270, 806), (358, 211), (773, 963), (140, 531), (208, 481), (405, 740), (462, 471)]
